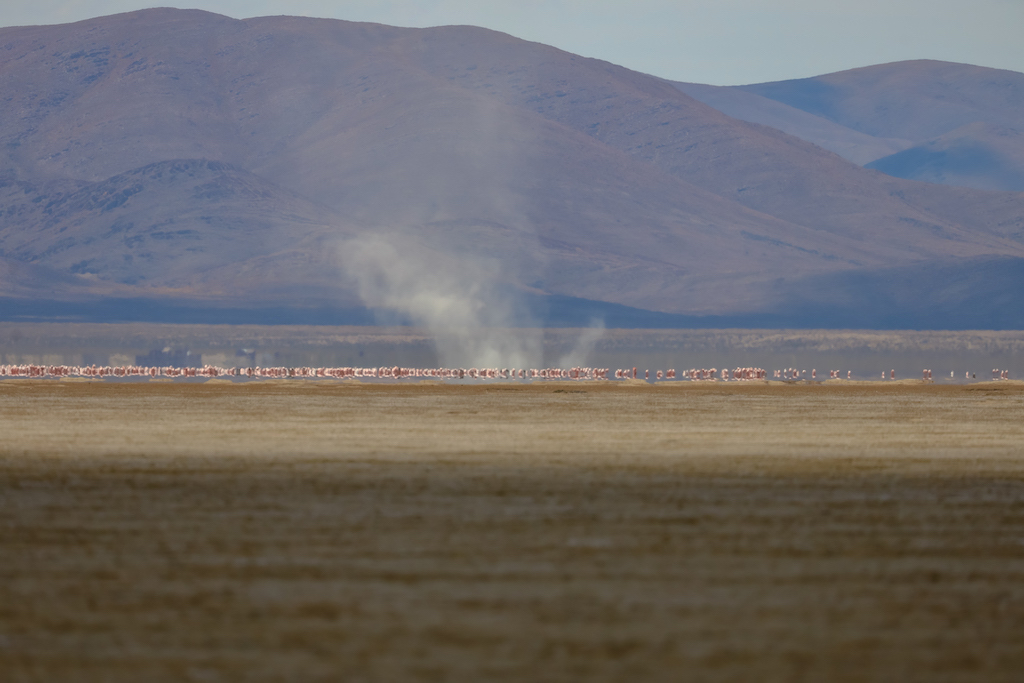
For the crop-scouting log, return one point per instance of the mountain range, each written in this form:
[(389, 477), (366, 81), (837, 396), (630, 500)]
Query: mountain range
[(166, 161), (939, 122)]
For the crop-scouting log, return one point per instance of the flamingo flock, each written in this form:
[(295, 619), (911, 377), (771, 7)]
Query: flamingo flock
[(379, 373), (392, 373), (738, 374)]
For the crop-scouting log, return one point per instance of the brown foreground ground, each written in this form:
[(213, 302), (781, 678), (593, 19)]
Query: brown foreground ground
[(341, 532)]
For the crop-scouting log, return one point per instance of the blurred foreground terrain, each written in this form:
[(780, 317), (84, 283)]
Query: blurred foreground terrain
[(558, 532)]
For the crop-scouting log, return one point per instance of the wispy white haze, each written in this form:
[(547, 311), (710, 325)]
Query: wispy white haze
[(463, 302)]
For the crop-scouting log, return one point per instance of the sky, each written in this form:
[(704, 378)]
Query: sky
[(722, 42)]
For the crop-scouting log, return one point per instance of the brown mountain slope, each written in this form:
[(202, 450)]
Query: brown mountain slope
[(759, 167), (165, 227), (578, 177)]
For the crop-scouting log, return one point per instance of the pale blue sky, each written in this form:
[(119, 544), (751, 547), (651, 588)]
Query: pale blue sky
[(724, 42)]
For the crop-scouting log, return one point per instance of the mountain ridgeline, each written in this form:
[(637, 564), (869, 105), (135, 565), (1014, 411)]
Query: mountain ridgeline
[(176, 164)]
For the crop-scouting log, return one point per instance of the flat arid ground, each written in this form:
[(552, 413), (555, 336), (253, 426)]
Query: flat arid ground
[(304, 531)]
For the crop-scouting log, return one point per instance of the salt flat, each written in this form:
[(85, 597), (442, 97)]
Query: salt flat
[(564, 531)]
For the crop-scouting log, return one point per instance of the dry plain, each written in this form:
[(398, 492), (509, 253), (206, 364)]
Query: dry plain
[(305, 531)]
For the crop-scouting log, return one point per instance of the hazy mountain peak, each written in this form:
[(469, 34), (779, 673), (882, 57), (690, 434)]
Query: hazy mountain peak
[(911, 100), (244, 160)]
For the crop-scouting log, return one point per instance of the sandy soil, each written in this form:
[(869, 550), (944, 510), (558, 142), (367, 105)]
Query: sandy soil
[(325, 531)]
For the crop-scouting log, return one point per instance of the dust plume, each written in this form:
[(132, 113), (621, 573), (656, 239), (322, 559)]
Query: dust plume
[(476, 318), (456, 251), (584, 345)]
